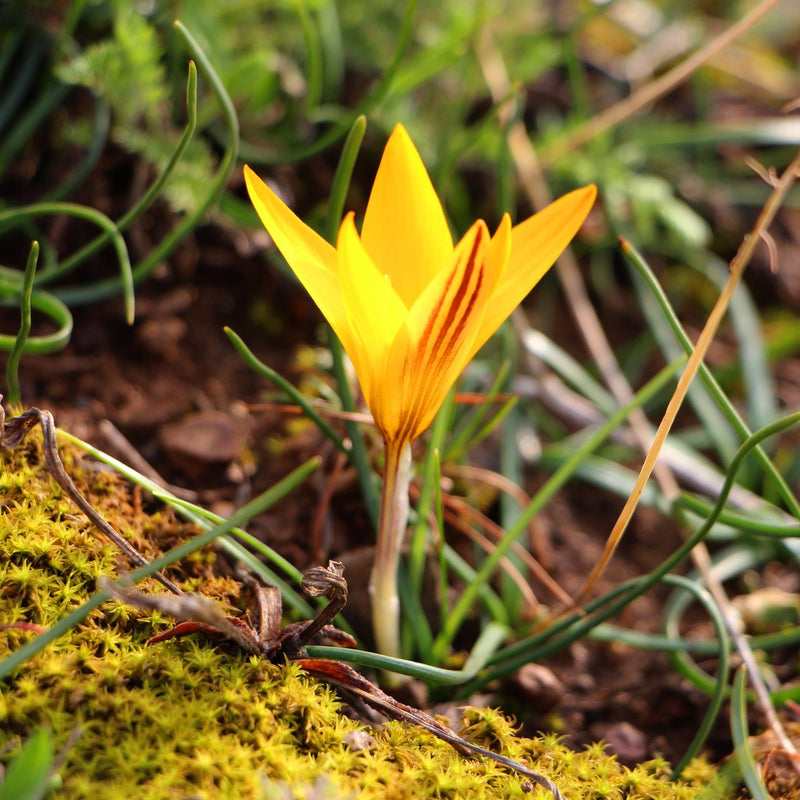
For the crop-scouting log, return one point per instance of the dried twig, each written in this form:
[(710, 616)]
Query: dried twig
[(14, 431), (200, 614)]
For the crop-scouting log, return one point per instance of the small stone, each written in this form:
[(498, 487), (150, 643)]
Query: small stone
[(539, 685), (358, 741), (203, 439), (626, 742)]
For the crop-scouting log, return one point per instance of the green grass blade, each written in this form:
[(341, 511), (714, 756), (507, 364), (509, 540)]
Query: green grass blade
[(12, 368), (744, 754)]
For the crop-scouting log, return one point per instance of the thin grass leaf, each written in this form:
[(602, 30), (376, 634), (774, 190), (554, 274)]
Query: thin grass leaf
[(125, 281), (744, 754), (490, 638), (429, 489), (681, 658), (295, 396), (711, 384), (148, 198), (314, 65), (109, 287), (464, 439), (757, 525), (256, 155), (713, 421), (357, 453), (12, 368), (28, 775)]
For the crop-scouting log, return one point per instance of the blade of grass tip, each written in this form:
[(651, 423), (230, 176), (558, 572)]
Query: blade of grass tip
[(51, 307), (357, 453), (239, 518), (314, 70), (27, 777), (711, 417), (298, 398), (342, 178), (330, 37), (682, 658), (744, 754), (459, 613), (708, 379), (12, 368), (125, 281), (149, 197)]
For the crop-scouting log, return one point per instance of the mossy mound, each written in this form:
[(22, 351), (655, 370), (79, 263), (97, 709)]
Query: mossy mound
[(192, 718)]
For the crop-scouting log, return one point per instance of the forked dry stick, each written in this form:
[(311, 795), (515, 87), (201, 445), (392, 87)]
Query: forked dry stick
[(14, 431), (265, 637)]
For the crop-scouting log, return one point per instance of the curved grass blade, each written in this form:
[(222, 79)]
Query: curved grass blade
[(256, 155), (12, 368), (708, 379), (296, 397), (147, 199), (50, 306), (681, 657), (491, 637), (744, 754), (125, 281), (110, 287)]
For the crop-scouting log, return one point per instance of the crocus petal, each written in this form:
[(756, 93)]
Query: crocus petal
[(535, 245), (311, 258), (435, 344), (374, 310), (405, 230)]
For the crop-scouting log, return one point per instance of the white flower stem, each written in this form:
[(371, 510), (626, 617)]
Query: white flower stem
[(391, 532)]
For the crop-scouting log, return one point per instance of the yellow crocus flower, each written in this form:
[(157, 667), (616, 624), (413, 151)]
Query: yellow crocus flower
[(411, 309)]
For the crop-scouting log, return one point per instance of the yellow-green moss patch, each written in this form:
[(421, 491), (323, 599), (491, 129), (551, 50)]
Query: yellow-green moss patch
[(191, 718)]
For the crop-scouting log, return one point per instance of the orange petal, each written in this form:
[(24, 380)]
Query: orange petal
[(311, 258), (435, 345), (535, 245), (374, 310), (405, 230)]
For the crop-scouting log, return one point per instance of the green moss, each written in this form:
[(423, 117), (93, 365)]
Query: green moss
[(192, 718)]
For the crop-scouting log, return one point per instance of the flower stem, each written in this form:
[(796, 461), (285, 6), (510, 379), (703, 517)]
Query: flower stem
[(391, 531)]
